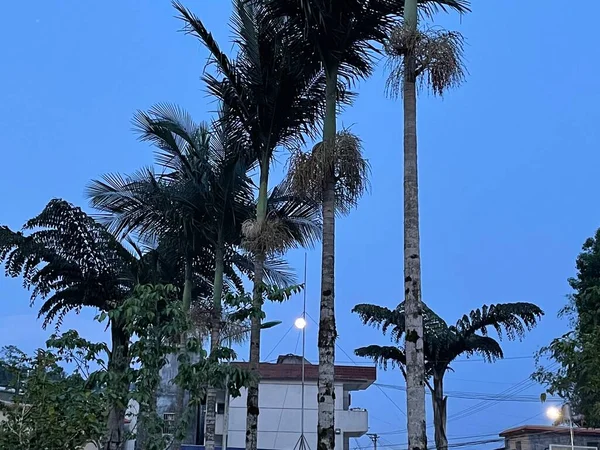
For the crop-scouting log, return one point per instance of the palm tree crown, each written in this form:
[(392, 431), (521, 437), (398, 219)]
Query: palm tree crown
[(443, 342)]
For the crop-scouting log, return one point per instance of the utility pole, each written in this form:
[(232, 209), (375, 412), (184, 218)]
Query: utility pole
[(374, 437)]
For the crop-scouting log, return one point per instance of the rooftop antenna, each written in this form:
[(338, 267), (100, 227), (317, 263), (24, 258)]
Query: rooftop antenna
[(300, 323)]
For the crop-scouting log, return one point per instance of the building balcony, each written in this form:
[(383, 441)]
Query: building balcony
[(353, 422)]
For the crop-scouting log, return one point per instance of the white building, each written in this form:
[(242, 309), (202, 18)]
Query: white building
[(280, 404)]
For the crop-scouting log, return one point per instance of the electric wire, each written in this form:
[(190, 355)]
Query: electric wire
[(351, 359)]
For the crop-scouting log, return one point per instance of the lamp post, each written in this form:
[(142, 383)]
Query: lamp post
[(300, 323), (554, 413)]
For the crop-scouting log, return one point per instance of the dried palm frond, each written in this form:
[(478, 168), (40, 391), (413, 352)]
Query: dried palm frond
[(438, 54), (269, 238), (309, 172)]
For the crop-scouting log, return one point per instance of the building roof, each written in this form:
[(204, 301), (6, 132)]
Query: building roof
[(361, 377), (534, 429)]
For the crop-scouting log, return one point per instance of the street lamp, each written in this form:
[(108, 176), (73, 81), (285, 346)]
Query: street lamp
[(554, 413), (300, 323)]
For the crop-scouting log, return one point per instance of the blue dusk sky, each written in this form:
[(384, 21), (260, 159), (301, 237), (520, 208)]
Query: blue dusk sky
[(508, 174)]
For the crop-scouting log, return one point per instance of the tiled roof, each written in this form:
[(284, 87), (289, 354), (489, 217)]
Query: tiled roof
[(271, 371), (534, 429)]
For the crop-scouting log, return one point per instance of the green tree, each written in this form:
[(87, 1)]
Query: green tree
[(49, 408), (444, 343), (70, 261), (204, 182), (574, 372), (273, 88), (156, 317)]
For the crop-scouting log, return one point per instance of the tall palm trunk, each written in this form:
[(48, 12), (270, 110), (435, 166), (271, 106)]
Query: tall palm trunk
[(118, 364), (252, 410), (187, 301), (215, 339), (439, 411), (327, 330), (415, 363)]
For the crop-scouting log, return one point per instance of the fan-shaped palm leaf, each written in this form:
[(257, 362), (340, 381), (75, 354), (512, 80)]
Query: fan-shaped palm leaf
[(444, 343), (72, 261)]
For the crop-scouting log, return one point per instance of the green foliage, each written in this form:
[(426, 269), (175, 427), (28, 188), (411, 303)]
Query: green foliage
[(274, 87), (68, 260), (343, 32), (443, 343), (155, 316), (574, 374), (244, 308), (49, 408)]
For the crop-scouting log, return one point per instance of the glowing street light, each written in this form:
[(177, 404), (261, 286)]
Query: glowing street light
[(300, 323), (553, 413)]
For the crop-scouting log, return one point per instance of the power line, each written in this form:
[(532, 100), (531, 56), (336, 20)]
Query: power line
[(465, 444), (378, 387), (507, 358), (279, 342), (487, 402), (477, 395), (480, 406), (483, 405)]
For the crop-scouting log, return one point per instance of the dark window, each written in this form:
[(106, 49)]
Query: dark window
[(220, 408), (518, 445), (593, 444)]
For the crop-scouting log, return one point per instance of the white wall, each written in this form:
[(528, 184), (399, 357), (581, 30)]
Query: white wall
[(280, 416)]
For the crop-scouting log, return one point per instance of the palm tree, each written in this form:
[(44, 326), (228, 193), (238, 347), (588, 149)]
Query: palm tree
[(444, 343), (339, 32), (273, 87), (72, 262), (437, 56), (205, 173), (342, 34)]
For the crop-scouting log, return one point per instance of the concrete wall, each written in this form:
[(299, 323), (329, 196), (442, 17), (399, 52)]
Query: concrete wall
[(280, 417), (542, 441)]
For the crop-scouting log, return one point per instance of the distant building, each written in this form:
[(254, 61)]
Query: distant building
[(539, 437), (280, 403)]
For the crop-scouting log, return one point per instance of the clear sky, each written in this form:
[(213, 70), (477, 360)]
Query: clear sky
[(508, 167)]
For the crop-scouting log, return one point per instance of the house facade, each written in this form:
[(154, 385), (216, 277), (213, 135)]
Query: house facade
[(538, 437), (280, 405)]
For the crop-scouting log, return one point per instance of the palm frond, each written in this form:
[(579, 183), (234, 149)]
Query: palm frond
[(512, 318), (444, 343), (309, 172), (233, 86), (277, 271), (143, 202), (182, 145), (383, 355), (381, 317), (299, 215), (486, 347), (431, 7), (438, 54), (68, 260), (274, 86)]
